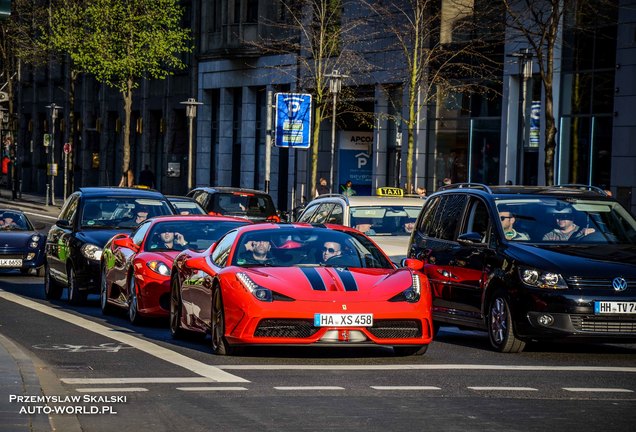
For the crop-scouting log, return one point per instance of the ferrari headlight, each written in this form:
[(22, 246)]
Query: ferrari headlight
[(262, 294), (411, 294), (159, 267), (542, 279), (34, 242), (92, 252)]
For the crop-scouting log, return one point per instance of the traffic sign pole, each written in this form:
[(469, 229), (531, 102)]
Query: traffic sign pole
[(268, 141)]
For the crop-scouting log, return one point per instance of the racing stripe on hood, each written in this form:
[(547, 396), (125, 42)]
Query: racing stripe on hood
[(314, 278), (347, 279)]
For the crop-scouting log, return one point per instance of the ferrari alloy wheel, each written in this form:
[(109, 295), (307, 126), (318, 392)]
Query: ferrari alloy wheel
[(500, 326), (107, 309), (217, 325), (175, 310), (416, 350), (52, 290), (133, 303), (75, 296)]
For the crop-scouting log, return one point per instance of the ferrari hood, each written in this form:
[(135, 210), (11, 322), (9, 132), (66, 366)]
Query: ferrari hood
[(332, 283)]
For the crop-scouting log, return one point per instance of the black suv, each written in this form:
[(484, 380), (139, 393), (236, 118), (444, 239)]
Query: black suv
[(89, 218), (251, 204), (526, 263)]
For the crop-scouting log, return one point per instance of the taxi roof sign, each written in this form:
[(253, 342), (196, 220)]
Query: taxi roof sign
[(389, 191)]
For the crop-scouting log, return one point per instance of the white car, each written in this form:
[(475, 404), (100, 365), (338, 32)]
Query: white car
[(388, 220)]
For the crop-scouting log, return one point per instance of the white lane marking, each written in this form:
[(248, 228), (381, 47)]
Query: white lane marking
[(309, 388), (405, 388), (600, 390), (111, 389), (433, 367), (39, 215), (211, 388), (504, 388), (157, 380), (155, 350)]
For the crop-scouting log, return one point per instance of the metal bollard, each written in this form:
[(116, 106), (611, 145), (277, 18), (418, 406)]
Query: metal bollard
[(48, 194)]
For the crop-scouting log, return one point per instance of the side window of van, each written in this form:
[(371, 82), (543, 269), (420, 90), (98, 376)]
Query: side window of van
[(447, 216)]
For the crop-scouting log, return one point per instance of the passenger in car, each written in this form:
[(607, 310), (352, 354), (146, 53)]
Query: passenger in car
[(566, 228), (507, 219)]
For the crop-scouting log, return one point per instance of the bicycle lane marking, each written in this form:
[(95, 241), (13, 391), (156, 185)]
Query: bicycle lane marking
[(195, 366)]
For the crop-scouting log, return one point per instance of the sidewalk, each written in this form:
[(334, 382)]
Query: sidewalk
[(32, 202)]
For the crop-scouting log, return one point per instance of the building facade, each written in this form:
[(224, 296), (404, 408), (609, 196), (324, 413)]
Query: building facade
[(464, 137)]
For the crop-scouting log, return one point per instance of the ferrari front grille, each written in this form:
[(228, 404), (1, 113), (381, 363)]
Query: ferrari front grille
[(604, 324), (285, 328), (396, 329)]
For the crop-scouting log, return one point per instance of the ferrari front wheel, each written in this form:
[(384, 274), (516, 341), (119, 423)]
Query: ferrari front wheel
[(175, 310), (133, 303), (217, 325)]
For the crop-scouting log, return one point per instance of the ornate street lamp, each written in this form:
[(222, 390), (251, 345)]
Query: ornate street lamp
[(191, 113), (52, 170), (335, 85)]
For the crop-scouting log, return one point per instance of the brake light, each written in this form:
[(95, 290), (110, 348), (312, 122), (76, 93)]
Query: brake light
[(213, 213), (273, 218), (242, 194)]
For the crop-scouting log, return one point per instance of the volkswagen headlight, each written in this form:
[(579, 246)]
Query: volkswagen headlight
[(542, 279), (92, 252)]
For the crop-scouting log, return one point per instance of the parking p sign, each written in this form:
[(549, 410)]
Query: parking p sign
[(293, 120)]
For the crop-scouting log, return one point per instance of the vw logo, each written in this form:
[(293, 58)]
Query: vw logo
[(619, 284)]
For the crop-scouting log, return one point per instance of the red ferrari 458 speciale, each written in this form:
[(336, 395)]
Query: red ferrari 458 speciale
[(136, 267), (300, 284)]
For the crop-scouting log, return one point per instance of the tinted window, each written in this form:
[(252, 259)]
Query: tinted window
[(115, 212), (336, 215), (70, 208), (199, 234), (242, 204), (140, 233), (478, 220), (222, 250), (322, 214), (307, 214), (428, 217), (447, 216)]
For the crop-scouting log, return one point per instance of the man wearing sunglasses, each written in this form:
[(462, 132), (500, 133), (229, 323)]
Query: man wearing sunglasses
[(507, 223), (331, 251)]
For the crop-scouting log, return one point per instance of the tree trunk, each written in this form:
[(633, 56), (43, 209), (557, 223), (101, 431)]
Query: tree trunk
[(127, 176)]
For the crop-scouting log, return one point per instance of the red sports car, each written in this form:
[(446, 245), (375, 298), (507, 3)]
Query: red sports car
[(300, 284), (136, 267)]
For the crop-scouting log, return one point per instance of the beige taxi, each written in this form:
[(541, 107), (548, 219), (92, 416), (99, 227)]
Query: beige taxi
[(387, 217)]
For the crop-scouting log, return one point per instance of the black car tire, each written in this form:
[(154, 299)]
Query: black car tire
[(133, 302), (404, 351), (106, 307), (175, 311), (217, 325), (75, 296), (501, 330), (52, 289)]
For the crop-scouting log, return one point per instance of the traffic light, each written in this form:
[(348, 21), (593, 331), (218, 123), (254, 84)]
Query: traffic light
[(5, 8)]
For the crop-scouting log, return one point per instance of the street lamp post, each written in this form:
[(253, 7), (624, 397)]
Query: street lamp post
[(191, 113), (524, 57), (335, 85), (52, 170)]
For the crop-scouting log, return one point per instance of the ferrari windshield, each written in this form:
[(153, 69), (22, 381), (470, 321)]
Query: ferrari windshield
[(184, 234), (286, 247), (553, 220)]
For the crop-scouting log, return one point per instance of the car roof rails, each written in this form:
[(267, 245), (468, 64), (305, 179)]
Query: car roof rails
[(582, 187), (467, 185)]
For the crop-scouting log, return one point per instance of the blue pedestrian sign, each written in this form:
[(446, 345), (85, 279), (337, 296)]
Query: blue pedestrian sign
[(293, 120)]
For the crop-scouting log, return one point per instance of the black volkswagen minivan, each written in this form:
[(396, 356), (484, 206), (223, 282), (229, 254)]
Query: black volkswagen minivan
[(529, 263)]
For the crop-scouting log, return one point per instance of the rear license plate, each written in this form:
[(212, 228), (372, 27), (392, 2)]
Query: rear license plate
[(343, 320), (10, 262), (614, 307)]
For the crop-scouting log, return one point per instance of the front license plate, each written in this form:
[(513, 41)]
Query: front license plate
[(613, 307), (10, 262), (343, 320)]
